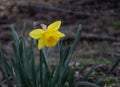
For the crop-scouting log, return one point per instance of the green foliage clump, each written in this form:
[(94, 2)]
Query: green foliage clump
[(22, 70)]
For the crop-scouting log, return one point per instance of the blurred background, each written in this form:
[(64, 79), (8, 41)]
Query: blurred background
[(100, 20)]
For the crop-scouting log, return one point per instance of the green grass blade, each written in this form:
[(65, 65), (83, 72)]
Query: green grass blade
[(87, 74), (117, 62), (85, 77)]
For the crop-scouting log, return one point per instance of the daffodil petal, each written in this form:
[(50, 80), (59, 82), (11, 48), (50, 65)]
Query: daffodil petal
[(41, 43), (54, 26), (59, 34), (37, 33)]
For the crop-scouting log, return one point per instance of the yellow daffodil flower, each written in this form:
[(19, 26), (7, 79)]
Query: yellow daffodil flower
[(48, 37)]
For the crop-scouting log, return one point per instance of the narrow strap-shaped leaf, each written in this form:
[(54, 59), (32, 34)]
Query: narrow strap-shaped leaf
[(76, 41), (4, 63), (41, 67), (45, 59), (58, 68), (24, 29), (16, 71), (33, 70), (23, 56), (60, 50), (44, 68), (77, 38), (6, 68), (65, 54), (15, 36)]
